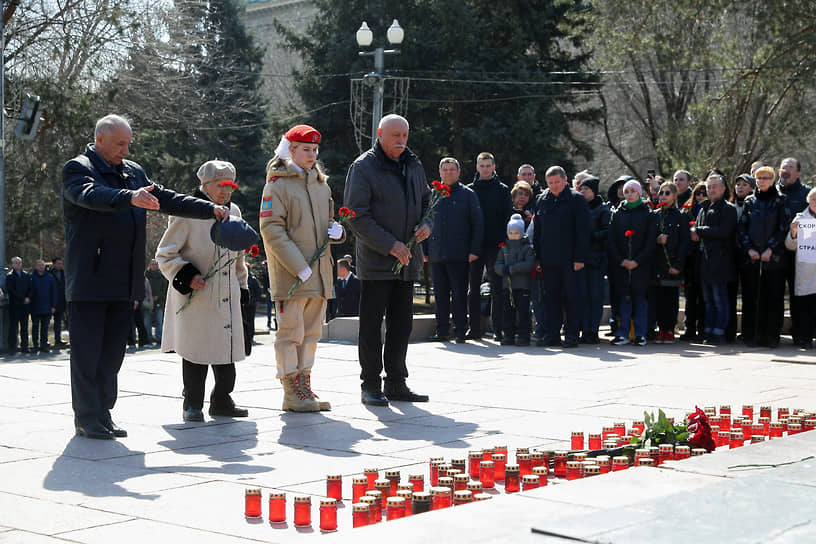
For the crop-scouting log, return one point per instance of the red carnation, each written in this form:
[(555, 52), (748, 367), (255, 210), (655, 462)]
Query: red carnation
[(227, 183), (629, 233), (346, 212), (661, 205), (253, 251), (692, 223), (686, 206), (700, 431), (501, 244)]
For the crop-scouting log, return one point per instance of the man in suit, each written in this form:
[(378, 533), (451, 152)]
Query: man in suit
[(18, 284), (346, 291)]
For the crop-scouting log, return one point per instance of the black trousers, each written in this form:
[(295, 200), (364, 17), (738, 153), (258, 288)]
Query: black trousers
[(195, 377), (764, 295), (99, 333), (733, 292), (39, 329), (450, 280), (392, 300), (796, 309), (695, 306), (58, 327), (517, 315), (562, 302), (807, 321), (487, 260), (18, 323), (666, 301)]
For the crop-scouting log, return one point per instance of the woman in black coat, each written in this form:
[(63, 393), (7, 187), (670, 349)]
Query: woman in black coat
[(694, 310), (632, 234), (761, 231), (668, 261)]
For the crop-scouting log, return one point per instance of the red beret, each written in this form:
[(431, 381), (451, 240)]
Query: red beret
[(303, 133)]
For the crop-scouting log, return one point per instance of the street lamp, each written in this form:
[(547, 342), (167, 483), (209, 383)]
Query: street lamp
[(365, 36)]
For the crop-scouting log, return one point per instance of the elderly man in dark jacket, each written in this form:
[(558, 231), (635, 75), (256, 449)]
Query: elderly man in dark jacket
[(455, 242), (715, 229), (387, 190), (104, 201), (561, 243), (795, 192)]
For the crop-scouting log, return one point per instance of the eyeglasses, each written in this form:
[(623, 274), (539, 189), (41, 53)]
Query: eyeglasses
[(665, 193), (764, 178)]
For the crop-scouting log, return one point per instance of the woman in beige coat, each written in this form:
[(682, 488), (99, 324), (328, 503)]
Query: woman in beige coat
[(209, 330), (296, 219)]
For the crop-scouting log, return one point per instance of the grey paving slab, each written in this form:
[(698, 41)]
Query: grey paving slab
[(27, 537), (149, 531), (47, 517)]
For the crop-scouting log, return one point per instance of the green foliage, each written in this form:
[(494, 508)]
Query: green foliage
[(659, 430)]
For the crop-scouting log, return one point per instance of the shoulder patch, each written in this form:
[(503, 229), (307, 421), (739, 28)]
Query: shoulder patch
[(266, 213), (273, 180), (267, 198), (266, 204)]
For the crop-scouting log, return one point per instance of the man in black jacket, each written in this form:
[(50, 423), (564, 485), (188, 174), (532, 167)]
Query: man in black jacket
[(346, 291), (561, 242), (19, 286), (456, 241), (58, 272), (387, 190), (104, 201), (795, 193), (497, 207)]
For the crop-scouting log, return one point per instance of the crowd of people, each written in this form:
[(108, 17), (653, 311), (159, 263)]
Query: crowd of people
[(547, 253)]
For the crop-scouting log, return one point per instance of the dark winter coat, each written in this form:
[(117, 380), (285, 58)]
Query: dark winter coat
[(675, 223), (18, 287), (599, 217), (763, 224), (497, 207), (716, 226), (43, 294), (458, 227), (59, 277), (389, 199), (104, 234), (638, 247), (560, 233), (518, 258), (796, 197), (158, 285), (347, 299)]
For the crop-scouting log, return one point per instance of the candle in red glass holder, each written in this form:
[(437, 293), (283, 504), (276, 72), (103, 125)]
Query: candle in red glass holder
[(560, 464), (475, 486), (573, 470), (723, 438), (418, 481), (525, 463), (487, 454), (594, 441), (654, 453), (666, 453), (620, 428), (371, 474), (462, 497), (334, 487), (620, 462), (420, 502), (809, 424), (474, 458), (461, 464), (765, 411), (639, 425), (757, 429), (577, 440), (696, 452), (328, 515), (736, 440), (784, 421), (766, 424), (529, 482), (487, 475), (460, 482), (499, 461), (359, 514), (794, 428), (277, 507), (725, 409), (440, 498), (682, 452), (408, 496), (500, 449), (539, 459), (358, 488), (604, 463), (748, 410), (395, 508), (645, 462), (383, 486), (522, 450), (747, 430), (376, 512), (512, 479), (606, 431), (736, 423), (442, 471), (404, 486), (781, 412), (541, 472), (591, 470), (724, 422), (393, 476), (433, 473), (303, 511), (482, 497), (757, 438), (252, 503)]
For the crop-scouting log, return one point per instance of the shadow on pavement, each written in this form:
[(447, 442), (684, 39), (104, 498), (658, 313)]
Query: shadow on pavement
[(438, 429), (334, 436)]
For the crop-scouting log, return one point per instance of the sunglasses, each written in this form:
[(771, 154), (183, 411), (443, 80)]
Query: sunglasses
[(665, 193)]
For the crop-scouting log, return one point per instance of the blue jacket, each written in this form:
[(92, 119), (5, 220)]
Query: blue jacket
[(43, 293), (497, 207), (458, 227), (105, 235), (561, 228)]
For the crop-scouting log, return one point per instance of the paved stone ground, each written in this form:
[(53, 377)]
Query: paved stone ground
[(174, 481)]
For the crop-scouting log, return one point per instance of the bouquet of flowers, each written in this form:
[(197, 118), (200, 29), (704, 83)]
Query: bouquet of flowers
[(440, 191)]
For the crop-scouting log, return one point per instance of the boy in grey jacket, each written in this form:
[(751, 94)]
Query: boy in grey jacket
[(514, 263)]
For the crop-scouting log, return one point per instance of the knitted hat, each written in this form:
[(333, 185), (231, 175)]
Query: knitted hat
[(633, 184), (516, 223), (747, 178), (592, 182), (216, 171)]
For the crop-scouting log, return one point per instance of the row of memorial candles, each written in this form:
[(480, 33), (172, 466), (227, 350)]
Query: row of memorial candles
[(462, 481)]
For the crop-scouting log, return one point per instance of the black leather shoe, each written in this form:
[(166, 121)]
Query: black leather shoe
[(460, 339), (498, 337), (549, 342), (507, 342), (404, 393), (569, 343), (193, 414), (373, 398), (228, 411), (473, 335), (117, 431), (94, 430), (439, 338)]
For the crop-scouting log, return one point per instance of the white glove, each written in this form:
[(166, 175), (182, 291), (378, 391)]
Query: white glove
[(305, 274), (335, 231)]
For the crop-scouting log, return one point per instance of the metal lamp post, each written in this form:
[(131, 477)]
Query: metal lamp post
[(365, 36)]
